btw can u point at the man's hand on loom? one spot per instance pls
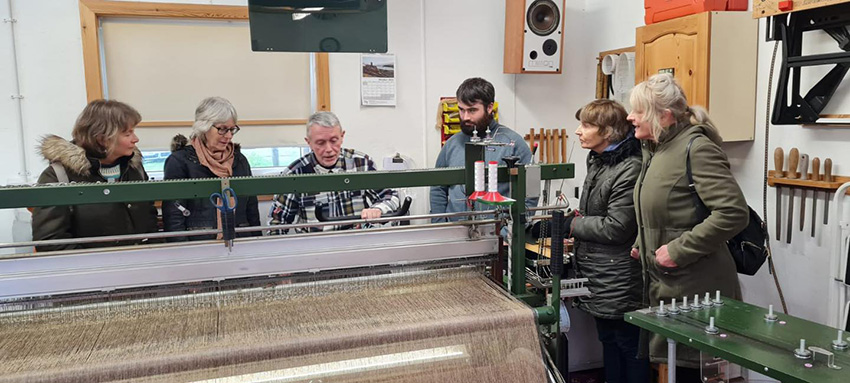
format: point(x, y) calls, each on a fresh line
point(370, 213)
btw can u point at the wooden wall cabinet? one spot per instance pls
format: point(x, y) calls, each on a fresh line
point(714, 56)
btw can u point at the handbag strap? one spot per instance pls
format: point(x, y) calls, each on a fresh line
point(692, 187)
point(61, 174)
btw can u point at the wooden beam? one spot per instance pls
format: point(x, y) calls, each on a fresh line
point(92, 10)
point(172, 124)
point(765, 8)
point(323, 83)
point(140, 9)
point(91, 53)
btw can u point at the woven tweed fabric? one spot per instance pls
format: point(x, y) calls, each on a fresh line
point(439, 326)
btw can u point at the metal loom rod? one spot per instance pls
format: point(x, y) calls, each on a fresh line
point(191, 233)
point(375, 220)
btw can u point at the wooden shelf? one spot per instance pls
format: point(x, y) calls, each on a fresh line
point(765, 8)
point(806, 184)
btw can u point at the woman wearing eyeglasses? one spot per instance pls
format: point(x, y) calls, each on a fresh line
point(208, 153)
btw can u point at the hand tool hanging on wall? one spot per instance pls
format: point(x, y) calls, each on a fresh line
point(531, 143)
point(804, 175)
point(778, 159)
point(815, 177)
point(827, 176)
point(793, 158)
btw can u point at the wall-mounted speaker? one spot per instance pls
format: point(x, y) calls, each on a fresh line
point(534, 36)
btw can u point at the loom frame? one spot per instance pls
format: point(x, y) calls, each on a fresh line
point(76, 194)
point(112, 269)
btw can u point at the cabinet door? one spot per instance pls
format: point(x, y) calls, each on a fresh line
point(680, 45)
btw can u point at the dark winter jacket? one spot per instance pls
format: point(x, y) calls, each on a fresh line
point(605, 232)
point(183, 163)
point(667, 216)
point(64, 222)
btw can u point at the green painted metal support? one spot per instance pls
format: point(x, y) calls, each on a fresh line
point(546, 315)
point(472, 153)
point(747, 339)
point(531, 299)
point(518, 229)
point(60, 195)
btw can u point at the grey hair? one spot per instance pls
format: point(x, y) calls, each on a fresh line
point(662, 92)
point(325, 119)
point(211, 111)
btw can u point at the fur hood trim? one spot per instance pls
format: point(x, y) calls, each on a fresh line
point(57, 149)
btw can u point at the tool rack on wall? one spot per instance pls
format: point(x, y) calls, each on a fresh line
point(787, 23)
point(810, 184)
point(448, 118)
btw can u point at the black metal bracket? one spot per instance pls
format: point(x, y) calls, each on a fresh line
point(789, 29)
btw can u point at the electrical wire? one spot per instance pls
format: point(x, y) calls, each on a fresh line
point(770, 264)
point(561, 187)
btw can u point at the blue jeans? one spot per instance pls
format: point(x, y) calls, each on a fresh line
point(619, 352)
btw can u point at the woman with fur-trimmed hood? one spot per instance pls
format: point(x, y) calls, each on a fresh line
point(103, 150)
point(208, 153)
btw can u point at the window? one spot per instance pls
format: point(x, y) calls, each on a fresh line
point(264, 161)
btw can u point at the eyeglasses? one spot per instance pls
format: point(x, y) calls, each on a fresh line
point(223, 129)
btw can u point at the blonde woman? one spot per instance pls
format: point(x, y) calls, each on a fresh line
point(103, 150)
point(683, 251)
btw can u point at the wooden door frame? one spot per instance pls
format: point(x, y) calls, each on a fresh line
point(92, 10)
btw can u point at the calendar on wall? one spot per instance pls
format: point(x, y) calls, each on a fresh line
point(378, 80)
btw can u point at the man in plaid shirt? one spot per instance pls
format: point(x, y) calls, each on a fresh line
point(324, 136)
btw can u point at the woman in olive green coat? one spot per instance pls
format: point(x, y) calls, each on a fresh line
point(682, 252)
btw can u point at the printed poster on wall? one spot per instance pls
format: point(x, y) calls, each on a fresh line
point(377, 80)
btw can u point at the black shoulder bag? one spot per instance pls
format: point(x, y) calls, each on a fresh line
point(747, 247)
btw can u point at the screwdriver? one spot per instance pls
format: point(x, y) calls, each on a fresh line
point(793, 158)
point(815, 177)
point(827, 177)
point(778, 159)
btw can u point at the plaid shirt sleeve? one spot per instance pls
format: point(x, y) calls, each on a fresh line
point(284, 206)
point(385, 199)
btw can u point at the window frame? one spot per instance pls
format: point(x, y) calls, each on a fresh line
point(256, 170)
point(92, 10)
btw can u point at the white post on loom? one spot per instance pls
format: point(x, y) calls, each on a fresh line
point(661, 311)
point(717, 301)
point(839, 343)
point(479, 176)
point(493, 174)
point(673, 309)
point(770, 316)
point(711, 329)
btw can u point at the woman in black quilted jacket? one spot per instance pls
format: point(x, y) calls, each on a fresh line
point(208, 153)
point(604, 231)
